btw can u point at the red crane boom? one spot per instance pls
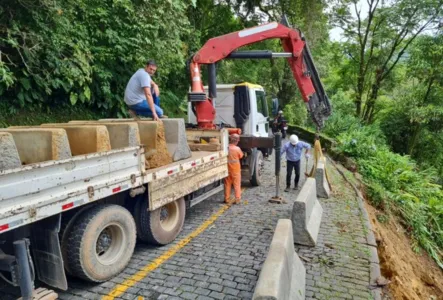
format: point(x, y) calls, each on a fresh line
point(225, 46)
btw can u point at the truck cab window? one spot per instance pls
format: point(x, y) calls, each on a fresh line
point(262, 106)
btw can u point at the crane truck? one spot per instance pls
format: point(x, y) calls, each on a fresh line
point(81, 214)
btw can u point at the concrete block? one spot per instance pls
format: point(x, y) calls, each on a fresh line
point(283, 275)
point(152, 136)
point(306, 215)
point(85, 139)
point(40, 144)
point(323, 190)
point(121, 134)
point(125, 120)
point(176, 141)
point(9, 158)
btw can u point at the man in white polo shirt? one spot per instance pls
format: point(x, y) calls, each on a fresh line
point(293, 150)
point(138, 95)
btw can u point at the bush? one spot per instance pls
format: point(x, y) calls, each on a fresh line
point(395, 183)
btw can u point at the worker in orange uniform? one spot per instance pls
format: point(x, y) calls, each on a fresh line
point(234, 170)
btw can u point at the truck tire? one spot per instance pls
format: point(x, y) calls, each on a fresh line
point(161, 226)
point(256, 176)
point(101, 242)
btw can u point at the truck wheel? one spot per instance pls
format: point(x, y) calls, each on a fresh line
point(101, 243)
point(256, 176)
point(161, 226)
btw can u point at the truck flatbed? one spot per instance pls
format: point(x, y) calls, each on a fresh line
point(34, 192)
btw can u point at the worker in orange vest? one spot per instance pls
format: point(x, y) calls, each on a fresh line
point(234, 170)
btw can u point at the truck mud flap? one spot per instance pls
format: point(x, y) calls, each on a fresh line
point(249, 167)
point(47, 254)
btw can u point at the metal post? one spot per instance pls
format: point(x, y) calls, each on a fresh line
point(26, 282)
point(277, 147)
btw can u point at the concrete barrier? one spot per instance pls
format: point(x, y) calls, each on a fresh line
point(306, 215)
point(9, 158)
point(85, 139)
point(283, 275)
point(40, 144)
point(323, 190)
point(176, 141)
point(152, 136)
point(121, 135)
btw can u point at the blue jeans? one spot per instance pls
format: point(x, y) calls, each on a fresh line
point(144, 110)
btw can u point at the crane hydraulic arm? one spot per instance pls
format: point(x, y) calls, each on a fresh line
point(296, 52)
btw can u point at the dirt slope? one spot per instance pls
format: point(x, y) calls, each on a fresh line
point(412, 275)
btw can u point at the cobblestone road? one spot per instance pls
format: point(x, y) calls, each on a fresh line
point(224, 261)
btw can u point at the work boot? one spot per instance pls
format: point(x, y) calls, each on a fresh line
point(229, 201)
point(287, 189)
point(296, 187)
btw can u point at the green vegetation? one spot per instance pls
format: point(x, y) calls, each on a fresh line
point(63, 60)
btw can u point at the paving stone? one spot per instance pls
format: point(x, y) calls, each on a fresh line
point(187, 295)
point(216, 295)
point(215, 287)
point(230, 291)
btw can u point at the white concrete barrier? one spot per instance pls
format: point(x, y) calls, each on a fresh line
point(36, 145)
point(283, 275)
point(121, 134)
point(85, 139)
point(176, 141)
point(306, 214)
point(323, 190)
point(9, 158)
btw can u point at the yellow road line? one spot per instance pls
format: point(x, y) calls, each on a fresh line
point(122, 287)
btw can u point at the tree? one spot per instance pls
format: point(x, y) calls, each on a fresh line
point(57, 52)
point(377, 41)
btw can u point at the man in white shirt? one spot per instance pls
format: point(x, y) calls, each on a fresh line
point(138, 95)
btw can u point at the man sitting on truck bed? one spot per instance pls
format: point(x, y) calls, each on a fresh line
point(234, 170)
point(138, 94)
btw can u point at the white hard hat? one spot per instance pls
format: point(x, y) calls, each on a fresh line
point(280, 111)
point(293, 139)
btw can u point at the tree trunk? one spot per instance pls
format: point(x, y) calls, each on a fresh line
point(413, 141)
point(370, 102)
point(358, 97)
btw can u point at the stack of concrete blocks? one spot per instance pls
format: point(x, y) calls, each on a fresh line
point(306, 215)
point(174, 135)
point(164, 141)
point(323, 190)
point(283, 275)
point(129, 133)
point(34, 145)
point(121, 135)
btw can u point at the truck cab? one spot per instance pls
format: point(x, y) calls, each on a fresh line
point(243, 106)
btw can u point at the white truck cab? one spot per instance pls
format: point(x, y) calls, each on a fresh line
point(243, 106)
point(240, 105)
